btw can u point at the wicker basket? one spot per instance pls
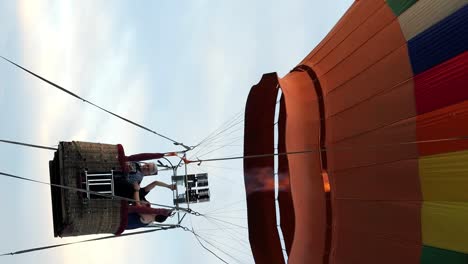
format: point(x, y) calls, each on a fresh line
point(73, 213)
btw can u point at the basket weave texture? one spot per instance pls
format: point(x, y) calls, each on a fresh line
point(82, 216)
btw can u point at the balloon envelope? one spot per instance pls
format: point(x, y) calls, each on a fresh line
point(379, 111)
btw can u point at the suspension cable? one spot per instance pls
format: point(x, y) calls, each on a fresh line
point(232, 123)
point(350, 148)
point(95, 105)
point(27, 145)
point(84, 241)
point(254, 156)
point(93, 192)
point(207, 249)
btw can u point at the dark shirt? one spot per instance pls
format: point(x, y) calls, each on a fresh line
point(143, 194)
point(134, 221)
point(125, 189)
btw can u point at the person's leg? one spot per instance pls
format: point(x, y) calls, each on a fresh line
point(123, 188)
point(150, 186)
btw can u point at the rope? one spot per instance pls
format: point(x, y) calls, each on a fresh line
point(221, 242)
point(198, 237)
point(215, 133)
point(218, 148)
point(82, 241)
point(351, 148)
point(229, 124)
point(207, 249)
point(235, 234)
point(97, 106)
point(226, 222)
point(254, 156)
point(83, 190)
point(27, 145)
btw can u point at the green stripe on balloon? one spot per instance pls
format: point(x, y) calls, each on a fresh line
point(432, 255)
point(399, 6)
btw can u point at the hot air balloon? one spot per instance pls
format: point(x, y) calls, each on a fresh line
point(372, 151)
point(371, 159)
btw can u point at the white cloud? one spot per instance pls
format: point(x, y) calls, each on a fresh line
point(80, 48)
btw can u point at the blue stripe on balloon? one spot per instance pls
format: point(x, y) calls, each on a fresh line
point(441, 42)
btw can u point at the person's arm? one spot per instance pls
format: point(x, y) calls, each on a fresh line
point(150, 186)
point(136, 193)
point(149, 210)
point(144, 156)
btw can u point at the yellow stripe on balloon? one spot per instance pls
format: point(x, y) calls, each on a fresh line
point(444, 177)
point(445, 225)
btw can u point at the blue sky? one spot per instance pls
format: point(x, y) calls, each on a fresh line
point(181, 69)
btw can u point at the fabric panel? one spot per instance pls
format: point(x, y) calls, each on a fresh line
point(432, 255)
point(358, 14)
point(443, 41)
point(336, 28)
point(376, 195)
point(442, 85)
point(323, 155)
point(302, 133)
point(443, 130)
point(425, 13)
point(390, 143)
point(444, 177)
point(400, 6)
point(374, 133)
point(379, 20)
point(377, 112)
point(258, 172)
point(444, 225)
point(376, 232)
point(395, 181)
point(285, 202)
point(346, 96)
point(383, 44)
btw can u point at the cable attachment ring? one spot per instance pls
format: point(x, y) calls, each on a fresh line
point(183, 228)
point(183, 145)
point(190, 211)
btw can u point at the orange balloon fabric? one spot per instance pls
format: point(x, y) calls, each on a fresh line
point(378, 110)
